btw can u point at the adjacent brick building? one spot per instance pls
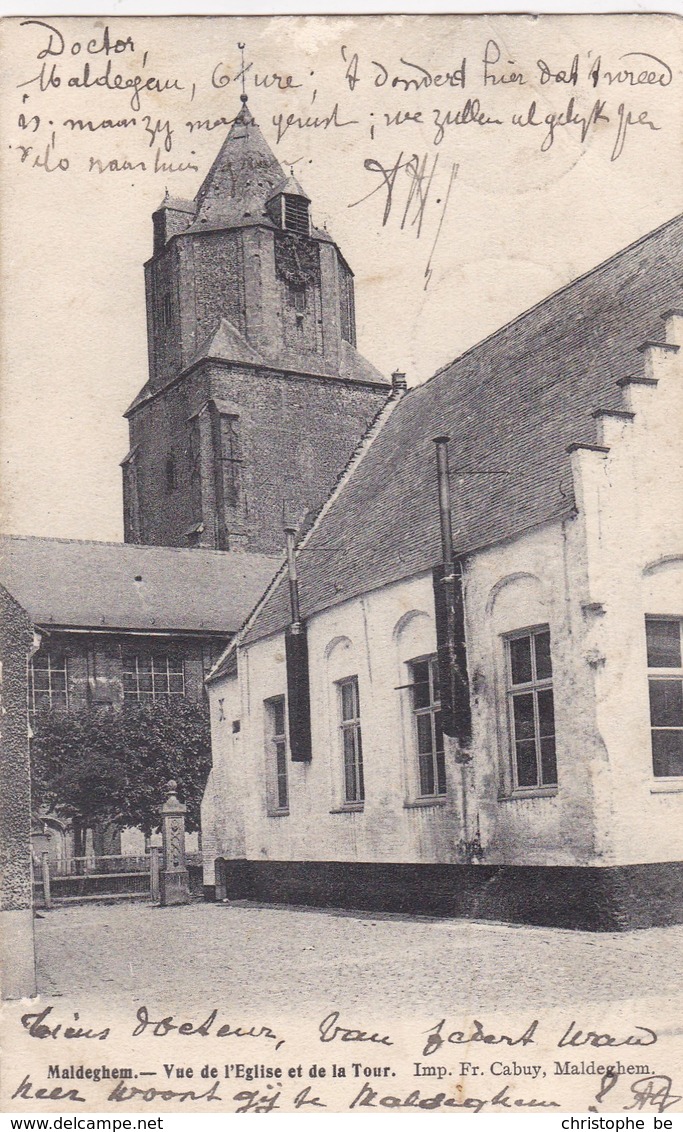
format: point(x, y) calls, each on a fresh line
point(256, 395)
point(114, 624)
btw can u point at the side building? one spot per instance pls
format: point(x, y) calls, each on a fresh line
point(476, 680)
point(116, 624)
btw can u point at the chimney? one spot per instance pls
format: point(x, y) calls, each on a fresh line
point(398, 382)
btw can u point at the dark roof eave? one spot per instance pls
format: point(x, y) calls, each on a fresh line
point(566, 512)
point(137, 630)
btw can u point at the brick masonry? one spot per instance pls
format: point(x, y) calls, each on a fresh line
point(16, 915)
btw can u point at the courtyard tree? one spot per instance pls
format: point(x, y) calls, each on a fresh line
point(156, 742)
point(110, 768)
point(76, 770)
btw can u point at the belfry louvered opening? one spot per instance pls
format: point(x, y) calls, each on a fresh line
point(296, 215)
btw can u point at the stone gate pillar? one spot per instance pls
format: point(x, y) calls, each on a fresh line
point(173, 878)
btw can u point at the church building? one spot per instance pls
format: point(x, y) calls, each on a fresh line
point(256, 392)
point(464, 694)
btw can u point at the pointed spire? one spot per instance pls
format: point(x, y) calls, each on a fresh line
point(241, 179)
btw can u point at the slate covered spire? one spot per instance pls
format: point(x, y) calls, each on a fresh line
point(243, 177)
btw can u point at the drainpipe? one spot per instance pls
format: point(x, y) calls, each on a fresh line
point(455, 702)
point(441, 443)
point(296, 654)
point(290, 536)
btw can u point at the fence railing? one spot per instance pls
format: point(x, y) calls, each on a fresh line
point(112, 874)
point(87, 866)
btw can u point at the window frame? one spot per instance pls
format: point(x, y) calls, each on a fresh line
point(433, 710)
point(351, 726)
point(142, 696)
point(63, 669)
point(277, 753)
point(658, 674)
point(532, 687)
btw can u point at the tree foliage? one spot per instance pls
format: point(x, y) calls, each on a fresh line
point(98, 766)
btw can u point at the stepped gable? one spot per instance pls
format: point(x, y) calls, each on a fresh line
point(511, 406)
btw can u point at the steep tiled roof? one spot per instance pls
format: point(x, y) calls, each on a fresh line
point(227, 344)
point(511, 405)
point(119, 585)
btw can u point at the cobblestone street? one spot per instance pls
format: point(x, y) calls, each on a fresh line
point(249, 955)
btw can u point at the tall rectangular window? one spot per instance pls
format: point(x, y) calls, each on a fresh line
point(665, 679)
point(431, 762)
point(47, 683)
point(276, 740)
point(152, 676)
point(166, 310)
point(352, 743)
point(532, 712)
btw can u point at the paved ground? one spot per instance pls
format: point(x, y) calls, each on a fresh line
point(249, 955)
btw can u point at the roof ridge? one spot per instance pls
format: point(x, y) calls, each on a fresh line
point(548, 298)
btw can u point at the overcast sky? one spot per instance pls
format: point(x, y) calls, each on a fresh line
point(486, 219)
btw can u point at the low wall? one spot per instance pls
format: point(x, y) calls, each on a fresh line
point(591, 899)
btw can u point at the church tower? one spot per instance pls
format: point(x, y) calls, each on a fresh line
point(256, 392)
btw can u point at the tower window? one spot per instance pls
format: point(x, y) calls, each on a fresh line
point(296, 215)
point(297, 297)
point(166, 310)
point(171, 476)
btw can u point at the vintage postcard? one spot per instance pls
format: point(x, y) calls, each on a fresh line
point(342, 575)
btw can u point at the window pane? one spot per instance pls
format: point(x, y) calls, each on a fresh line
point(520, 660)
point(348, 699)
point(523, 707)
point(666, 703)
point(129, 683)
point(438, 731)
point(543, 663)
point(434, 666)
point(527, 773)
point(281, 766)
point(424, 734)
point(145, 680)
point(349, 766)
point(548, 761)
point(278, 715)
point(546, 715)
point(663, 644)
point(176, 683)
point(426, 775)
point(361, 780)
point(421, 696)
point(667, 753)
point(41, 680)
